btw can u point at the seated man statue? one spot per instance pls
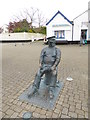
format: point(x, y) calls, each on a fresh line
point(49, 60)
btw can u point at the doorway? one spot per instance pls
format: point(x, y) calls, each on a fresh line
point(84, 31)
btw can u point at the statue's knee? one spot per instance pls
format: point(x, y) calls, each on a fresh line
point(38, 73)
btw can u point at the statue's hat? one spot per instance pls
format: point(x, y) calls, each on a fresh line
point(51, 38)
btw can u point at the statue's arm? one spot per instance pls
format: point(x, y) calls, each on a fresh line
point(41, 57)
point(58, 57)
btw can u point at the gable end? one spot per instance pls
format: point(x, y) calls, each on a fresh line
point(56, 15)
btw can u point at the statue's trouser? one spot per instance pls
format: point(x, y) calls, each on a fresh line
point(52, 76)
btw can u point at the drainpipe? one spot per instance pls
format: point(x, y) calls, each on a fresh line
point(72, 29)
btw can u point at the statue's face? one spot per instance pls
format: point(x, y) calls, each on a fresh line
point(51, 43)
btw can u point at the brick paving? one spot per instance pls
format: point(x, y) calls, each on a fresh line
point(19, 66)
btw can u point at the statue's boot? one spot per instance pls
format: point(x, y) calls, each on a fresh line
point(51, 95)
point(32, 92)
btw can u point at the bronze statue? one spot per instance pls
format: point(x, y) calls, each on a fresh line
point(49, 60)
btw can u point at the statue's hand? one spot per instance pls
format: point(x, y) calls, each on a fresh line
point(53, 68)
point(40, 65)
point(47, 68)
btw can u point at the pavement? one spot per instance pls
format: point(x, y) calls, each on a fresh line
point(19, 66)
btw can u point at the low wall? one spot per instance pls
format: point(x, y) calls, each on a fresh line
point(21, 36)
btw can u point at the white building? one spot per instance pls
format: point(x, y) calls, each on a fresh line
point(66, 30)
point(59, 26)
point(80, 25)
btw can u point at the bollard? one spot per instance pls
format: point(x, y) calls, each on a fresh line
point(15, 44)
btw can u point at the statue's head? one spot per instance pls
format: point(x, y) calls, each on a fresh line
point(51, 41)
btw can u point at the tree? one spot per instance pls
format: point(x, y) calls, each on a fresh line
point(11, 27)
point(21, 26)
point(26, 21)
point(41, 30)
point(30, 15)
point(40, 18)
point(1, 30)
point(33, 15)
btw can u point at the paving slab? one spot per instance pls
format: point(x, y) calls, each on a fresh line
point(19, 66)
point(41, 98)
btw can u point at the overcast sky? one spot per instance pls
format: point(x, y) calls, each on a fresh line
point(70, 8)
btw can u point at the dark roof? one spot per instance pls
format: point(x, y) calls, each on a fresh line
point(56, 15)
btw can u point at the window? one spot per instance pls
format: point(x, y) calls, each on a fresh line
point(60, 34)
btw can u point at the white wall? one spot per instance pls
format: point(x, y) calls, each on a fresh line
point(78, 26)
point(68, 34)
point(59, 20)
point(21, 36)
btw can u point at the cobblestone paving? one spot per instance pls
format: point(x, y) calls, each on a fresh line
point(19, 66)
